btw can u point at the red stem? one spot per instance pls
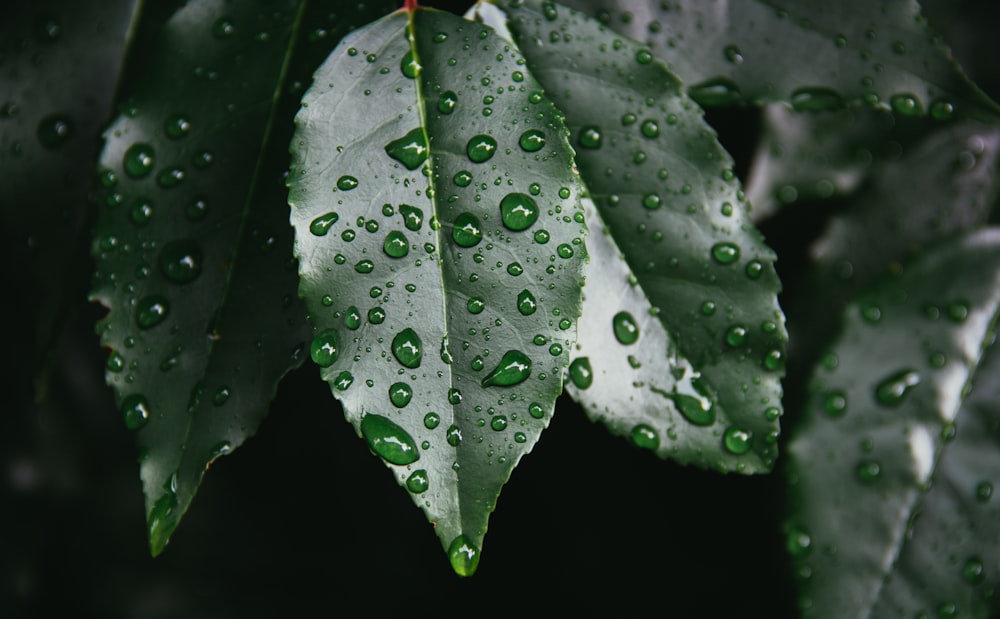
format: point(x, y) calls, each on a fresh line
point(410, 5)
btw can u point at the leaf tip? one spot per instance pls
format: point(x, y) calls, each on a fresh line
point(464, 556)
point(161, 522)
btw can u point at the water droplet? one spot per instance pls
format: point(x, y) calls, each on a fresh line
point(733, 54)
point(892, 390)
point(590, 137)
point(564, 250)
point(139, 160)
point(417, 482)
point(54, 131)
point(170, 178)
point(346, 183)
point(447, 102)
point(518, 211)
point(151, 311)
point(651, 201)
point(481, 148)
point(181, 261)
point(716, 92)
point(498, 423)
point(323, 349)
point(321, 225)
point(463, 178)
point(514, 368)
point(407, 348)
point(410, 150)
point(177, 126)
point(462, 553)
point(696, 406)
point(476, 305)
point(835, 403)
point(396, 245)
point(958, 311)
point(389, 440)
point(984, 490)
point(906, 104)
point(736, 440)
point(774, 360)
point(942, 110)
point(221, 396)
point(650, 128)
point(343, 380)
point(376, 315)
point(581, 373)
point(223, 28)
point(536, 410)
point(409, 66)
point(542, 237)
point(454, 435)
point(135, 411)
point(816, 100)
point(736, 335)
point(972, 571)
point(798, 542)
point(532, 140)
point(413, 217)
point(754, 269)
point(645, 437)
point(725, 253)
point(115, 363)
point(868, 470)
point(400, 394)
point(466, 230)
point(625, 327)
point(432, 420)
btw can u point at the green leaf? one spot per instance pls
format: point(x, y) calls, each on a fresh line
point(813, 54)
point(684, 346)
point(58, 74)
point(871, 440)
point(193, 242)
point(440, 240)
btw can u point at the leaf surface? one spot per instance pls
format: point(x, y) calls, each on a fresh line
point(440, 240)
point(684, 339)
point(192, 242)
point(755, 51)
point(59, 67)
point(872, 440)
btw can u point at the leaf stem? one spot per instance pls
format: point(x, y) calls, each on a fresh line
point(410, 5)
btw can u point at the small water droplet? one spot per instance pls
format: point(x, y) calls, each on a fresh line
point(223, 28)
point(466, 230)
point(816, 99)
point(625, 328)
point(407, 348)
point(733, 54)
point(536, 410)
point(151, 311)
point(221, 396)
point(798, 542)
point(754, 269)
point(135, 411)
point(343, 380)
point(323, 349)
point(413, 217)
point(518, 211)
point(984, 490)
point(716, 92)
point(736, 440)
point(410, 150)
point(454, 435)
point(170, 178)
point(181, 261)
point(906, 104)
point(892, 390)
point(346, 183)
point(177, 126)
point(942, 110)
point(526, 303)
point(868, 470)
point(581, 373)
point(736, 335)
point(447, 102)
point(396, 245)
point(725, 253)
point(650, 128)
point(958, 311)
point(590, 137)
point(376, 315)
point(835, 403)
point(532, 140)
point(481, 148)
point(389, 440)
point(139, 160)
point(462, 553)
point(973, 570)
point(645, 437)
point(400, 394)
point(514, 368)
point(55, 130)
point(321, 225)
point(463, 178)
point(417, 482)
point(432, 420)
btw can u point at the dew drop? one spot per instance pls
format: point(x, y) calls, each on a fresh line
point(151, 311)
point(581, 373)
point(481, 148)
point(466, 230)
point(321, 225)
point(518, 211)
point(413, 217)
point(696, 407)
point(816, 99)
point(388, 440)
point(736, 335)
point(526, 303)
point(170, 178)
point(542, 237)
point(323, 348)
point(462, 178)
point(625, 328)
point(536, 410)
point(650, 128)
point(400, 394)
point(54, 131)
point(432, 420)
point(346, 183)
point(498, 423)
point(725, 253)
point(868, 470)
point(754, 269)
point(733, 54)
point(454, 436)
point(514, 368)
point(447, 102)
point(410, 150)
point(736, 440)
point(177, 126)
point(716, 92)
point(973, 570)
point(181, 261)
point(135, 411)
point(798, 542)
point(590, 137)
point(906, 104)
point(139, 160)
point(532, 140)
point(396, 245)
point(462, 553)
point(417, 482)
point(407, 348)
point(645, 437)
point(942, 110)
point(409, 65)
point(892, 390)
point(984, 490)
point(835, 403)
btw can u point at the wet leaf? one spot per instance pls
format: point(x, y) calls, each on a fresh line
point(192, 242)
point(684, 339)
point(441, 247)
point(731, 53)
point(870, 455)
point(59, 66)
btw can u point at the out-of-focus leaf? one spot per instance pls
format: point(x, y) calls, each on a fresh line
point(59, 66)
point(754, 51)
point(192, 243)
point(440, 239)
point(682, 346)
point(870, 442)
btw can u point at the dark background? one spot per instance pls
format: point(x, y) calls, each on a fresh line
point(304, 521)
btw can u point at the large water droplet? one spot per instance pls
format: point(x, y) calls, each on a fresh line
point(625, 328)
point(514, 368)
point(400, 394)
point(389, 440)
point(466, 230)
point(532, 140)
point(817, 99)
point(736, 440)
point(417, 482)
point(645, 437)
point(396, 245)
point(518, 211)
point(725, 252)
point(413, 217)
point(696, 404)
point(139, 160)
point(346, 183)
point(716, 92)
point(410, 150)
point(181, 261)
point(135, 411)
point(463, 555)
point(892, 390)
point(835, 403)
point(526, 303)
point(323, 349)
point(151, 311)
point(481, 148)
point(590, 137)
point(447, 102)
point(409, 66)
point(407, 349)
point(581, 373)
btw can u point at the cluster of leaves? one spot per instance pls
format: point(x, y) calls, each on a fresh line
point(484, 207)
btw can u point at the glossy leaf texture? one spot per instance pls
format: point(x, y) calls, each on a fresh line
point(441, 246)
point(866, 457)
point(684, 340)
point(753, 51)
point(59, 67)
point(192, 243)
